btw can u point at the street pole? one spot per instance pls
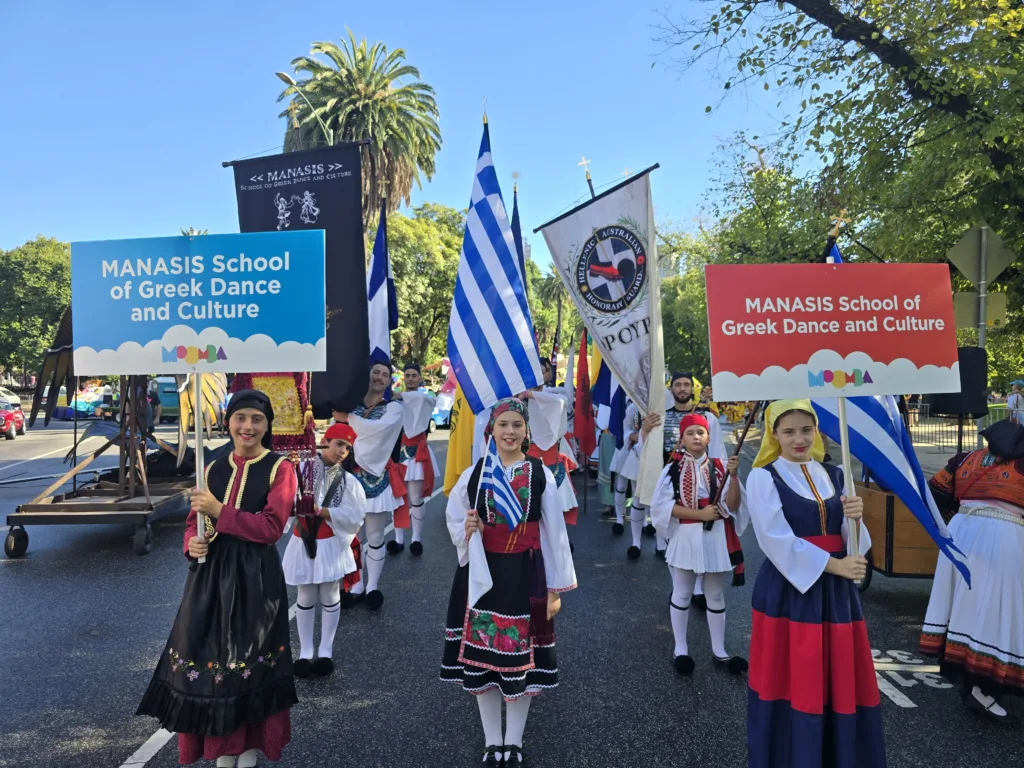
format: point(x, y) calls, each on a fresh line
point(982, 314)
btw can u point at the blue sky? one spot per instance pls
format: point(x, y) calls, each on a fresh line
point(117, 115)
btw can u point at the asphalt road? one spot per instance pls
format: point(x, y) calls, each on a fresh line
point(84, 621)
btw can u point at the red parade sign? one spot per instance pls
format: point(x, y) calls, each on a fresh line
point(825, 330)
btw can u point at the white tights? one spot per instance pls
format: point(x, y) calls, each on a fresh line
point(683, 583)
point(374, 555)
point(637, 514)
point(416, 509)
point(330, 602)
point(516, 712)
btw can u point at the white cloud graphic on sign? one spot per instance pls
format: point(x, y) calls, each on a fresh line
point(256, 353)
point(900, 377)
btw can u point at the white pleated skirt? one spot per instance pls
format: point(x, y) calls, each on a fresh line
point(333, 561)
point(567, 496)
point(414, 470)
point(983, 625)
point(694, 549)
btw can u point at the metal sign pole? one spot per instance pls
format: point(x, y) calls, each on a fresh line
point(982, 313)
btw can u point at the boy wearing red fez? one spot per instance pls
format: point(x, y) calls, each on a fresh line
point(319, 554)
point(698, 506)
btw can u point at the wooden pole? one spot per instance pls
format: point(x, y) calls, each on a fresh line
point(850, 490)
point(197, 411)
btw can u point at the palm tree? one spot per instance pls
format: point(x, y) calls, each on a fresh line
point(367, 93)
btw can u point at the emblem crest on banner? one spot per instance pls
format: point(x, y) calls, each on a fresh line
point(611, 269)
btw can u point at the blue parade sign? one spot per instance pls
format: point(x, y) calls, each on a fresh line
point(204, 303)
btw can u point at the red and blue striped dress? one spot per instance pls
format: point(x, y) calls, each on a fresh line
point(813, 697)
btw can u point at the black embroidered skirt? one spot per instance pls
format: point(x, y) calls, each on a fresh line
point(228, 660)
point(506, 641)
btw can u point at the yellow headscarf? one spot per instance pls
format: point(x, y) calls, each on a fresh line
point(770, 448)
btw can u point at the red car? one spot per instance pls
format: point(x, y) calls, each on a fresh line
point(12, 420)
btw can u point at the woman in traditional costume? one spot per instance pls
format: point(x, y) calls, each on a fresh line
point(977, 631)
point(813, 698)
point(319, 554)
point(687, 513)
point(224, 682)
point(500, 634)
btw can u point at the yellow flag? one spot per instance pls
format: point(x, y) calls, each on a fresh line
point(460, 441)
point(595, 363)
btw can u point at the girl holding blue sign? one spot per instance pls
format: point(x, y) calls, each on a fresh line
point(224, 682)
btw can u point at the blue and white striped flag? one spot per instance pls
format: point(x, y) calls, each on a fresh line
point(382, 303)
point(490, 336)
point(879, 439)
point(492, 478)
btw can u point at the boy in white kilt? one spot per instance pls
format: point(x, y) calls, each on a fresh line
point(415, 455)
point(686, 511)
point(319, 552)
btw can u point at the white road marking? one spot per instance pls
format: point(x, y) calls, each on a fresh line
point(146, 752)
point(155, 743)
point(894, 694)
point(883, 667)
point(44, 455)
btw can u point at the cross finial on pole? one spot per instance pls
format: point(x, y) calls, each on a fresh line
point(838, 221)
point(626, 172)
point(584, 163)
point(515, 181)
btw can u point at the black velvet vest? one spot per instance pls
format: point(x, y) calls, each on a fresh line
point(257, 476)
point(537, 485)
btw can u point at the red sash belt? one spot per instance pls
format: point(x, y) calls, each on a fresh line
point(422, 457)
point(551, 456)
point(500, 538)
point(323, 532)
point(831, 543)
point(701, 503)
point(396, 478)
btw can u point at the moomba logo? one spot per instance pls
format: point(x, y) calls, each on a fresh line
point(839, 379)
point(193, 355)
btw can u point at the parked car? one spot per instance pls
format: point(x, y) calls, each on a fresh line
point(11, 397)
point(12, 420)
point(442, 415)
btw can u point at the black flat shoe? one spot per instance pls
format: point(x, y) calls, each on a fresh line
point(323, 667)
point(348, 601)
point(736, 665)
point(633, 553)
point(416, 548)
point(659, 553)
point(374, 600)
point(617, 529)
point(303, 668)
point(699, 601)
point(513, 755)
point(649, 530)
point(494, 756)
point(684, 665)
point(393, 547)
point(976, 706)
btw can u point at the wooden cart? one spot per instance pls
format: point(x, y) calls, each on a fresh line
point(900, 547)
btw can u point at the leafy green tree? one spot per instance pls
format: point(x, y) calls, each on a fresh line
point(37, 288)
point(367, 92)
point(424, 251)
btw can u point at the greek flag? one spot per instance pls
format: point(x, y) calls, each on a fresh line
point(834, 256)
point(879, 439)
point(381, 301)
point(490, 335)
point(492, 478)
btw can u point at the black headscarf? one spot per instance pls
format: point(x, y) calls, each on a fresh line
point(253, 398)
point(1005, 439)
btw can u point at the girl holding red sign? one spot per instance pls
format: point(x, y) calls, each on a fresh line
point(813, 696)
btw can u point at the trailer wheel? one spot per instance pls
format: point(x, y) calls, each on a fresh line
point(143, 540)
point(16, 543)
point(866, 582)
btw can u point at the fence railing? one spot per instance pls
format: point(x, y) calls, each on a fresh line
point(940, 433)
